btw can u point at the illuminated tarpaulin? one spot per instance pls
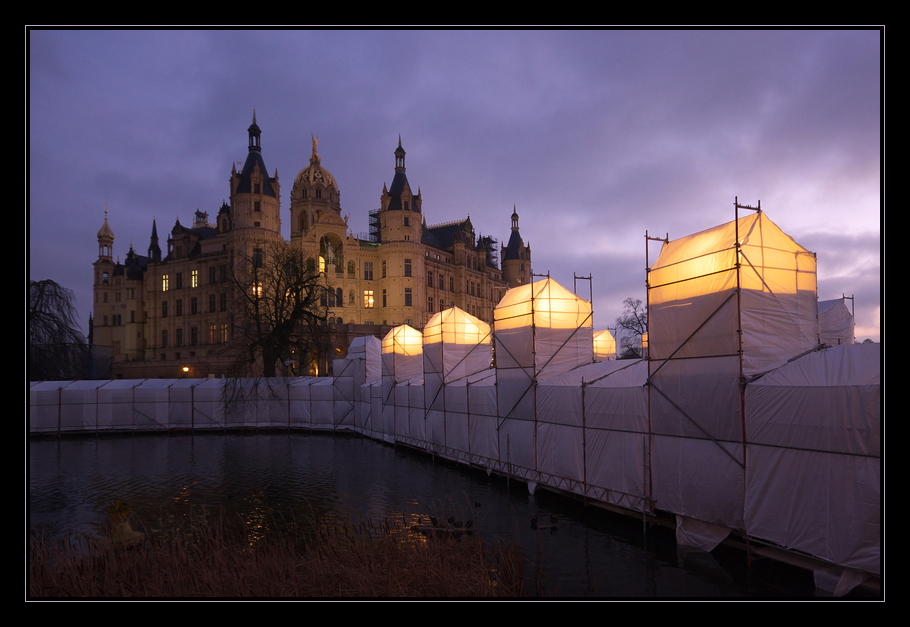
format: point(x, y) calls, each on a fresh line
point(604, 345)
point(402, 354)
point(692, 287)
point(539, 328)
point(402, 365)
point(723, 305)
point(455, 345)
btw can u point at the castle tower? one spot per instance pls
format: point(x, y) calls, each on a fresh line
point(316, 222)
point(400, 209)
point(516, 257)
point(154, 248)
point(254, 194)
point(104, 285)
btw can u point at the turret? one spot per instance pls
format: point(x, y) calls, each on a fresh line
point(254, 194)
point(400, 208)
point(516, 257)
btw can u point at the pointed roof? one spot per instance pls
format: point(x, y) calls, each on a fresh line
point(254, 159)
point(400, 183)
point(513, 248)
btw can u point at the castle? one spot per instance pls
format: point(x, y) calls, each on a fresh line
point(168, 314)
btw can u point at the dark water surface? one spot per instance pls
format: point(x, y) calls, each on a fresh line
point(340, 480)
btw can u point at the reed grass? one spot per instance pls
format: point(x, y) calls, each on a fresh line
point(220, 557)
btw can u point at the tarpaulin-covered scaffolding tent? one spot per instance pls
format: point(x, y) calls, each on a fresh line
point(402, 369)
point(455, 346)
point(540, 328)
point(727, 306)
point(724, 304)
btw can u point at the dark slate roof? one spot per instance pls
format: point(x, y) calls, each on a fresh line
point(513, 246)
point(446, 234)
point(253, 159)
point(429, 238)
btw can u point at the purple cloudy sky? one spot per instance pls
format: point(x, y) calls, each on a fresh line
point(595, 137)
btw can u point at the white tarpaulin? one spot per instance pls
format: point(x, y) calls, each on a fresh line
point(402, 354)
point(732, 301)
point(604, 345)
point(814, 430)
point(835, 322)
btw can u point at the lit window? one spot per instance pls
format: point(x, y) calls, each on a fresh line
point(164, 282)
point(194, 278)
point(257, 289)
point(368, 299)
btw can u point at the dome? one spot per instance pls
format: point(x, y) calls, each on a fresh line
point(105, 231)
point(314, 173)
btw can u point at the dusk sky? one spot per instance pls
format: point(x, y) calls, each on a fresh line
point(594, 136)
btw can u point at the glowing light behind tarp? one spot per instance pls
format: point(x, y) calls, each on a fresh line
point(705, 262)
point(544, 304)
point(604, 345)
point(455, 326)
point(456, 344)
point(402, 353)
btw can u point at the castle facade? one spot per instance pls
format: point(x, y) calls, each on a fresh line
point(167, 313)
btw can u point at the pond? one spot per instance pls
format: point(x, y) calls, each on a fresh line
point(337, 480)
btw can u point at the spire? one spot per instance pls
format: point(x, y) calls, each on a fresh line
point(105, 239)
point(254, 134)
point(399, 156)
point(514, 218)
point(314, 158)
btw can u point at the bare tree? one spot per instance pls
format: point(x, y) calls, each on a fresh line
point(279, 321)
point(634, 324)
point(56, 348)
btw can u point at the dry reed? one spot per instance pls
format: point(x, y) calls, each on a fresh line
point(219, 557)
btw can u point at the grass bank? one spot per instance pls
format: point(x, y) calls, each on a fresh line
point(220, 557)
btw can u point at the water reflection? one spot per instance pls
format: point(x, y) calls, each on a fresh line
point(306, 481)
